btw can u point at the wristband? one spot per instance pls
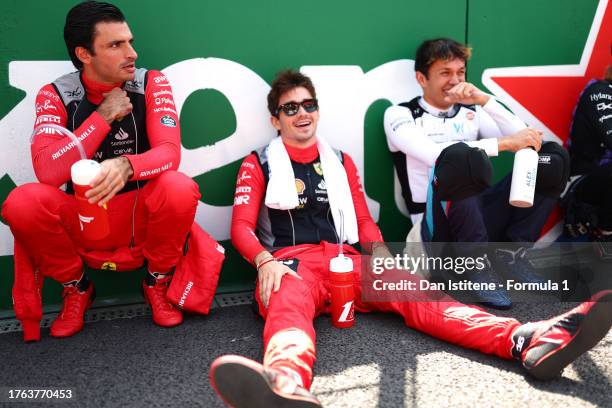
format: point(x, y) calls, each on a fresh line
point(258, 264)
point(265, 261)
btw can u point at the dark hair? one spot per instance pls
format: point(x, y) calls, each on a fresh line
point(608, 74)
point(443, 49)
point(80, 25)
point(284, 82)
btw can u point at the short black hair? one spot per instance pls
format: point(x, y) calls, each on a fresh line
point(80, 25)
point(443, 49)
point(285, 81)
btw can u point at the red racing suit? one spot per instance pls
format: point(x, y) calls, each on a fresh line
point(149, 219)
point(289, 335)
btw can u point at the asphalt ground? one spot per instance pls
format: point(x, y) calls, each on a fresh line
point(377, 363)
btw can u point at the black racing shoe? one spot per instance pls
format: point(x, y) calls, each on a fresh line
point(497, 298)
point(516, 266)
point(545, 348)
point(241, 382)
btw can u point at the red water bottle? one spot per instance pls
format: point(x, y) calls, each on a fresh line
point(342, 291)
point(92, 217)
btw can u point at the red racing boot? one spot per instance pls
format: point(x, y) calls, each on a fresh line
point(75, 303)
point(154, 289)
point(244, 383)
point(545, 348)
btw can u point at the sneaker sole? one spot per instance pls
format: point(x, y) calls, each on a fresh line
point(594, 327)
point(242, 383)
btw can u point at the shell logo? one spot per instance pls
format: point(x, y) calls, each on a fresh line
point(300, 186)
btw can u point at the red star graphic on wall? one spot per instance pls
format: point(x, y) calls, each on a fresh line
point(545, 96)
point(522, 89)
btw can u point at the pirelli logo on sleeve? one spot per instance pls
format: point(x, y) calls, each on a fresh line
point(48, 119)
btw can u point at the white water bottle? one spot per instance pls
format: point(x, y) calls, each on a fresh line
point(92, 217)
point(524, 174)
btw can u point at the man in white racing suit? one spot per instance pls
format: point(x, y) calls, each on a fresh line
point(450, 181)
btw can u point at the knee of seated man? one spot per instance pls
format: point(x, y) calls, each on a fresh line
point(178, 186)
point(553, 169)
point(23, 203)
point(462, 171)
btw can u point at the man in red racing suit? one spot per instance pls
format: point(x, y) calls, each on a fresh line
point(125, 119)
point(291, 250)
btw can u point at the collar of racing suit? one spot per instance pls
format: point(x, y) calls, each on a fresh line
point(302, 155)
point(96, 90)
point(437, 112)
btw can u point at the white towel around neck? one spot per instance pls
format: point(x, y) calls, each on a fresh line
point(281, 193)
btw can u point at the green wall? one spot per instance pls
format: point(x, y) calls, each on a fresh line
point(268, 36)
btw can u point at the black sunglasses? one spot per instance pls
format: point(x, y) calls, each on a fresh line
point(291, 108)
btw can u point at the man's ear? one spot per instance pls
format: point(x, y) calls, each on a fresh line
point(421, 79)
point(83, 55)
point(275, 122)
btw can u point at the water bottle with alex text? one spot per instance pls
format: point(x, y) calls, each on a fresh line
point(524, 174)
